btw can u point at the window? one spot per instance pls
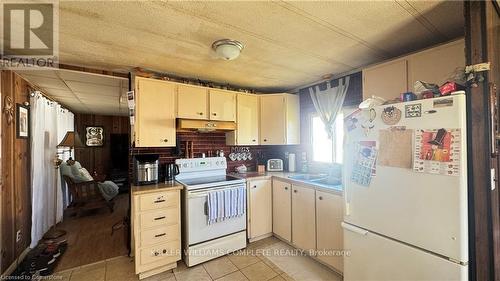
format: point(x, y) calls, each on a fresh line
point(326, 150)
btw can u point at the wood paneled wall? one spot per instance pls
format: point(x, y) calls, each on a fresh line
point(15, 174)
point(98, 159)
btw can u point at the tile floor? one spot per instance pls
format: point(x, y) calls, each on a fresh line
point(251, 264)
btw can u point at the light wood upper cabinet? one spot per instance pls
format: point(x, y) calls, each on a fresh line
point(260, 202)
point(192, 102)
point(279, 119)
point(436, 65)
point(247, 119)
point(282, 209)
point(329, 216)
point(387, 80)
point(222, 105)
point(155, 113)
point(303, 218)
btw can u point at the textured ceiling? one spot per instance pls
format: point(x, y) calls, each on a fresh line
point(82, 92)
point(287, 44)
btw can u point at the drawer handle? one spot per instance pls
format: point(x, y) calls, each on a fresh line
point(214, 114)
point(159, 201)
point(286, 187)
point(159, 218)
point(254, 186)
point(320, 198)
point(160, 235)
point(156, 253)
point(295, 191)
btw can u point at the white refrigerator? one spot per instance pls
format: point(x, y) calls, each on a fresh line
point(406, 219)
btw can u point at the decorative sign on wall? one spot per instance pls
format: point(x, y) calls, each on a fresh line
point(240, 154)
point(22, 121)
point(94, 136)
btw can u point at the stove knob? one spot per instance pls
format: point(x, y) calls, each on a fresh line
point(185, 165)
point(217, 163)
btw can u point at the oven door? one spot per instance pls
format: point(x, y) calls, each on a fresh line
point(198, 228)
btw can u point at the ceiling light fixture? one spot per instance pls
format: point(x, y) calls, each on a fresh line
point(227, 49)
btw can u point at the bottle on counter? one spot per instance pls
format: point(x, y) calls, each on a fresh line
point(304, 164)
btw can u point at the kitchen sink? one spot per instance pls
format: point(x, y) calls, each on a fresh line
point(328, 181)
point(308, 177)
point(318, 179)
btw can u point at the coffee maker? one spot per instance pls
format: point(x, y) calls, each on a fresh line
point(171, 170)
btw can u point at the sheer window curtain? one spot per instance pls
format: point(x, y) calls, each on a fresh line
point(328, 103)
point(49, 123)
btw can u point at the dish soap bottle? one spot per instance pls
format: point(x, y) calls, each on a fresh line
point(304, 167)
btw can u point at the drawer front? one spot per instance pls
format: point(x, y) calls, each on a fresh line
point(161, 254)
point(158, 200)
point(159, 218)
point(159, 235)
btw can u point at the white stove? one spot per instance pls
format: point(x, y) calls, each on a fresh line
point(203, 241)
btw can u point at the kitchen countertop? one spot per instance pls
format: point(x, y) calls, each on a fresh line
point(150, 188)
point(284, 176)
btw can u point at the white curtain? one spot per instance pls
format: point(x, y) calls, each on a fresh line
point(328, 103)
point(65, 123)
point(46, 118)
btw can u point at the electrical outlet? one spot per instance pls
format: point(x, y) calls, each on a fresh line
point(18, 236)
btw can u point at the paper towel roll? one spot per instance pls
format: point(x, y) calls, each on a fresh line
point(291, 162)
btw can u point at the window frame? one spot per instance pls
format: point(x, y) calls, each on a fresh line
point(311, 141)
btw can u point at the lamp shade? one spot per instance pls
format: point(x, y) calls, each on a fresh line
point(71, 139)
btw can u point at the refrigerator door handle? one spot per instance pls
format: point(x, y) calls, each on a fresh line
point(354, 229)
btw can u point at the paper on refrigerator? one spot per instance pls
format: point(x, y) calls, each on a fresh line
point(437, 151)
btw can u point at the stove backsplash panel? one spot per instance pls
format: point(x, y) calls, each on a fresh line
point(205, 142)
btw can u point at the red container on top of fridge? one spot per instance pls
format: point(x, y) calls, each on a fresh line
point(449, 87)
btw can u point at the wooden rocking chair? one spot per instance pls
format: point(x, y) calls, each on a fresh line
point(86, 196)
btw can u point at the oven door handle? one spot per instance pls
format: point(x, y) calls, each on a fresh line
point(205, 191)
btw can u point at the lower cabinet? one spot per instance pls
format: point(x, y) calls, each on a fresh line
point(282, 209)
point(303, 218)
point(156, 234)
point(260, 222)
point(329, 234)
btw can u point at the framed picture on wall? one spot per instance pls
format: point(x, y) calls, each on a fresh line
point(22, 121)
point(94, 136)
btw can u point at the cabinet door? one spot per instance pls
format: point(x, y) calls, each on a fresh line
point(303, 218)
point(329, 231)
point(292, 119)
point(248, 120)
point(436, 65)
point(387, 80)
point(261, 222)
point(192, 102)
point(155, 113)
point(282, 209)
point(222, 105)
point(272, 119)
